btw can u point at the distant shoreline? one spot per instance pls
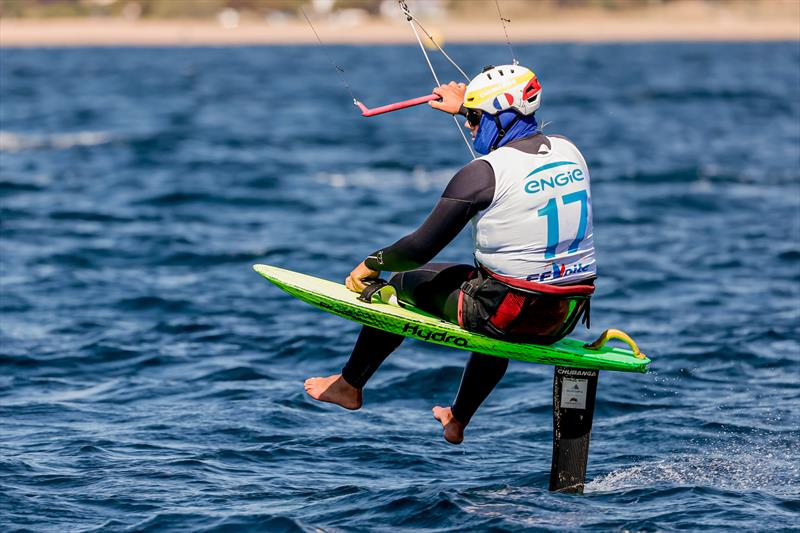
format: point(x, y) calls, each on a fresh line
point(580, 27)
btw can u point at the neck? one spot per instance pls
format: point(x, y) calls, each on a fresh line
point(514, 126)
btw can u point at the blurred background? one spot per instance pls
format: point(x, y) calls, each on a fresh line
point(152, 151)
point(28, 22)
point(274, 9)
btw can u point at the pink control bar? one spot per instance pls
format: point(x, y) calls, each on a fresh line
point(367, 112)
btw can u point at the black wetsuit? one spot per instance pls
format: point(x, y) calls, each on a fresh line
point(434, 287)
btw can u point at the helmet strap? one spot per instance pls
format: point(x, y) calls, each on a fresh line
point(501, 131)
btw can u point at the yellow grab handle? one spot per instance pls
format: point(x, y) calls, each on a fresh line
point(609, 334)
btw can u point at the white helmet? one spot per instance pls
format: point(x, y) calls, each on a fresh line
point(505, 87)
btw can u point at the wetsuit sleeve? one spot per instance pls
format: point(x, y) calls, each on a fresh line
point(471, 190)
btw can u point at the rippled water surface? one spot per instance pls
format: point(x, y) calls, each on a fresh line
point(150, 380)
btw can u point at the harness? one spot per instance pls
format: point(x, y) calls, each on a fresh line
point(522, 311)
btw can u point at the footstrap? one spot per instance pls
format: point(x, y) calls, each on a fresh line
point(374, 290)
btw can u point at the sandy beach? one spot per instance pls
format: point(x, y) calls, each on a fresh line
point(766, 21)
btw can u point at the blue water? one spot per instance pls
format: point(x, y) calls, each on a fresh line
point(150, 380)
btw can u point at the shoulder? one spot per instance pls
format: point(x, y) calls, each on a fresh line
point(562, 137)
point(562, 141)
point(563, 144)
point(475, 177)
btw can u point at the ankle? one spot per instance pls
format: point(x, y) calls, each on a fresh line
point(342, 382)
point(347, 384)
point(455, 418)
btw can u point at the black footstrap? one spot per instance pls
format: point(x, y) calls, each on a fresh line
point(373, 286)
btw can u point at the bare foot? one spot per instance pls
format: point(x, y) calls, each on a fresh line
point(453, 429)
point(334, 389)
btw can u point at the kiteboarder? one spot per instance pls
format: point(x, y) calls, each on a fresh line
point(529, 202)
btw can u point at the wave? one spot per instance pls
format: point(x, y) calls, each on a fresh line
point(383, 178)
point(16, 142)
point(750, 465)
point(209, 522)
point(176, 198)
point(239, 373)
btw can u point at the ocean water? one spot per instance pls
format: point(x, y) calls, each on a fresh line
point(150, 380)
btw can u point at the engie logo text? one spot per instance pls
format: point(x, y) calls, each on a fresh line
point(553, 181)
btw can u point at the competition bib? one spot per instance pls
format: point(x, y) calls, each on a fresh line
point(539, 224)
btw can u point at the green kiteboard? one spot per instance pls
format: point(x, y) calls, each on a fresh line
point(385, 314)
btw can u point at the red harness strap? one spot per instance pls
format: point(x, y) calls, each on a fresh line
point(567, 290)
point(508, 310)
point(461, 308)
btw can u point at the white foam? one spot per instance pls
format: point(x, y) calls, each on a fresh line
point(748, 466)
point(15, 142)
point(420, 179)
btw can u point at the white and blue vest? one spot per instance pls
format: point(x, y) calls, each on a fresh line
point(539, 224)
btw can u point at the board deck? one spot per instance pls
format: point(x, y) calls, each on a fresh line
point(337, 299)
